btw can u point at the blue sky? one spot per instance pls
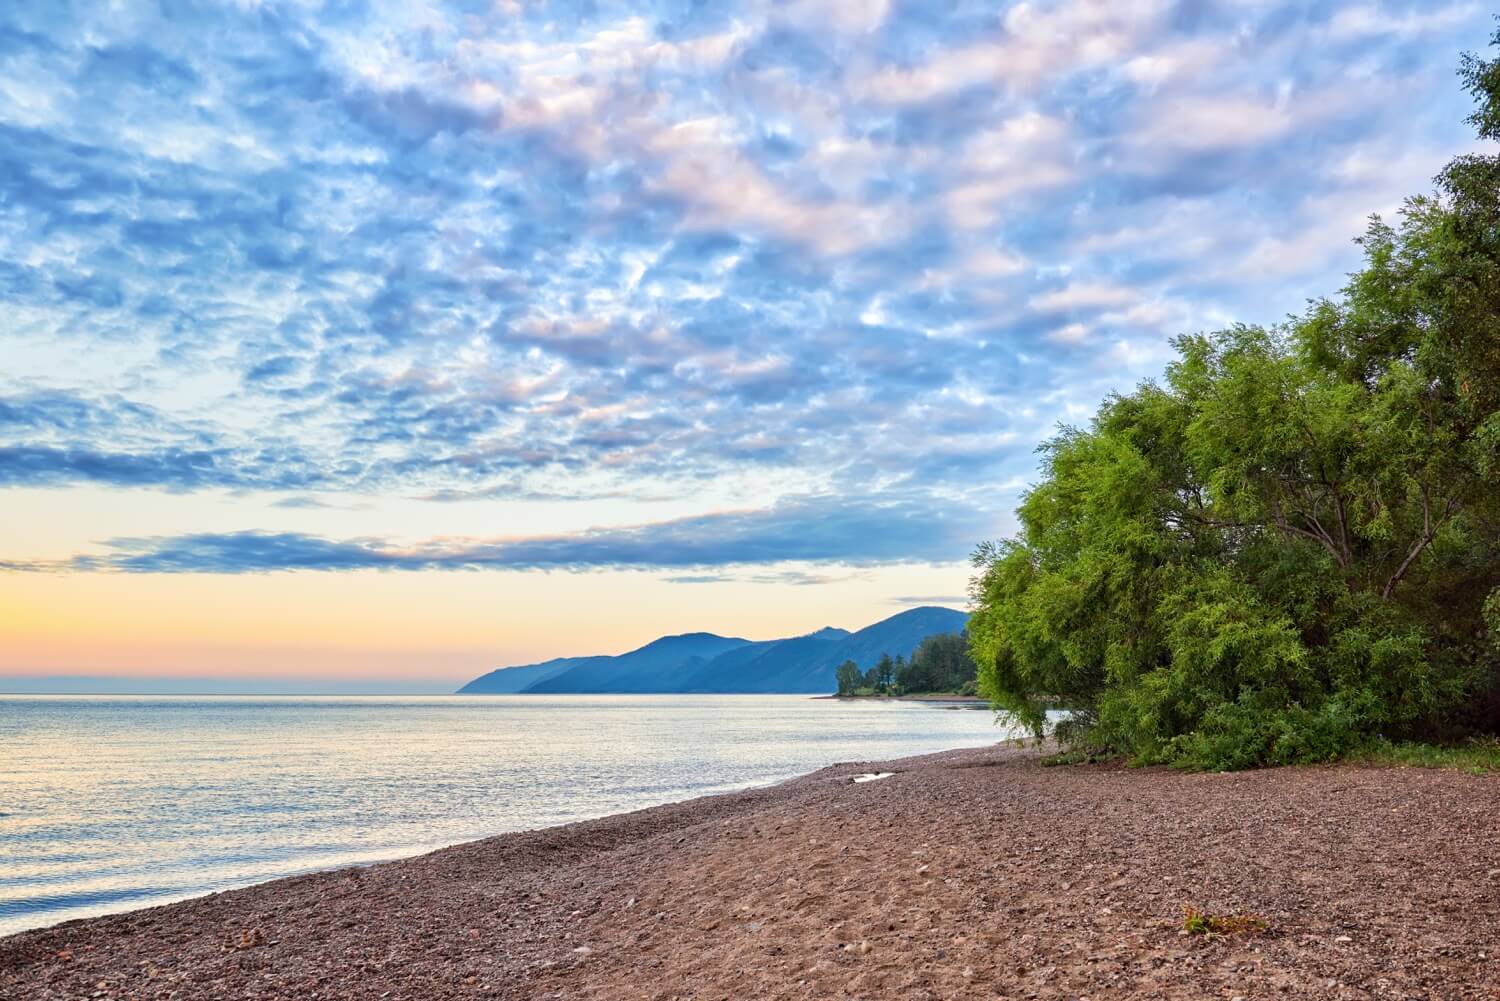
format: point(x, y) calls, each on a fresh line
point(727, 296)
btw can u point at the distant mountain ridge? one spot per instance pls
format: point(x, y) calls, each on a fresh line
point(709, 663)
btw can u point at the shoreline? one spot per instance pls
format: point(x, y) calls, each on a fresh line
point(964, 874)
point(939, 698)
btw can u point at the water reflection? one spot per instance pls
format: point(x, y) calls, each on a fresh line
point(110, 803)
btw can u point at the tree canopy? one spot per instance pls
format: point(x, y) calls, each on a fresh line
point(940, 663)
point(1290, 546)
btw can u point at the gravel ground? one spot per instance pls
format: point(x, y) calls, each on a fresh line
point(970, 874)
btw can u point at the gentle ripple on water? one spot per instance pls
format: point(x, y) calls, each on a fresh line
point(111, 803)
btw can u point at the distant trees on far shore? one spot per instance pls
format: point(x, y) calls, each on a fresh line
point(940, 664)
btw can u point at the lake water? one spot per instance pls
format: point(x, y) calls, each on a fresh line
point(112, 803)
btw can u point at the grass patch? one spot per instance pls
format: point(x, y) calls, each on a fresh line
point(1079, 758)
point(1477, 756)
point(1196, 922)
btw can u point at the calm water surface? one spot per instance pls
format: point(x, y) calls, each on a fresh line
point(112, 803)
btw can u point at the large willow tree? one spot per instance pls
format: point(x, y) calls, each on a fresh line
point(1291, 546)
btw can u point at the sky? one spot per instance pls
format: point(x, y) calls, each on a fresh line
point(384, 343)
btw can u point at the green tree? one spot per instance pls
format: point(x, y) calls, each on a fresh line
point(849, 677)
point(914, 676)
point(1284, 549)
point(941, 663)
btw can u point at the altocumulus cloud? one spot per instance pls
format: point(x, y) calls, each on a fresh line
point(812, 529)
point(592, 249)
point(64, 437)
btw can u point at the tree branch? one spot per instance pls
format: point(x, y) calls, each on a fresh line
point(1322, 540)
point(1429, 532)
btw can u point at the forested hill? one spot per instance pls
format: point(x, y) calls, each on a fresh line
point(705, 662)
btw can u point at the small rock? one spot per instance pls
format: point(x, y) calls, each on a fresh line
point(922, 869)
point(584, 950)
point(968, 972)
point(1343, 938)
point(865, 948)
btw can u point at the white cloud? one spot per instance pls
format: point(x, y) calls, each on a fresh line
point(1022, 154)
point(1195, 122)
point(1084, 295)
point(992, 262)
point(720, 190)
point(1175, 61)
point(1039, 43)
point(1073, 333)
point(1365, 20)
point(847, 17)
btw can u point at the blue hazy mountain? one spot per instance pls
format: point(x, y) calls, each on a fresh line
point(705, 662)
point(652, 668)
point(510, 680)
point(628, 672)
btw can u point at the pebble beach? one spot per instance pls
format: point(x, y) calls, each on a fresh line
point(967, 874)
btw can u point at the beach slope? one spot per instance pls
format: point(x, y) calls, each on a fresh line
point(970, 874)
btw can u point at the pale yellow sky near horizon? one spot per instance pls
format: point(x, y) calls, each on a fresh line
point(442, 626)
point(392, 625)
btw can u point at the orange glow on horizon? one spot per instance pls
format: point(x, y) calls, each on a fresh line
point(385, 626)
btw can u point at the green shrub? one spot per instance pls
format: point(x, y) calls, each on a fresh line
point(1290, 548)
